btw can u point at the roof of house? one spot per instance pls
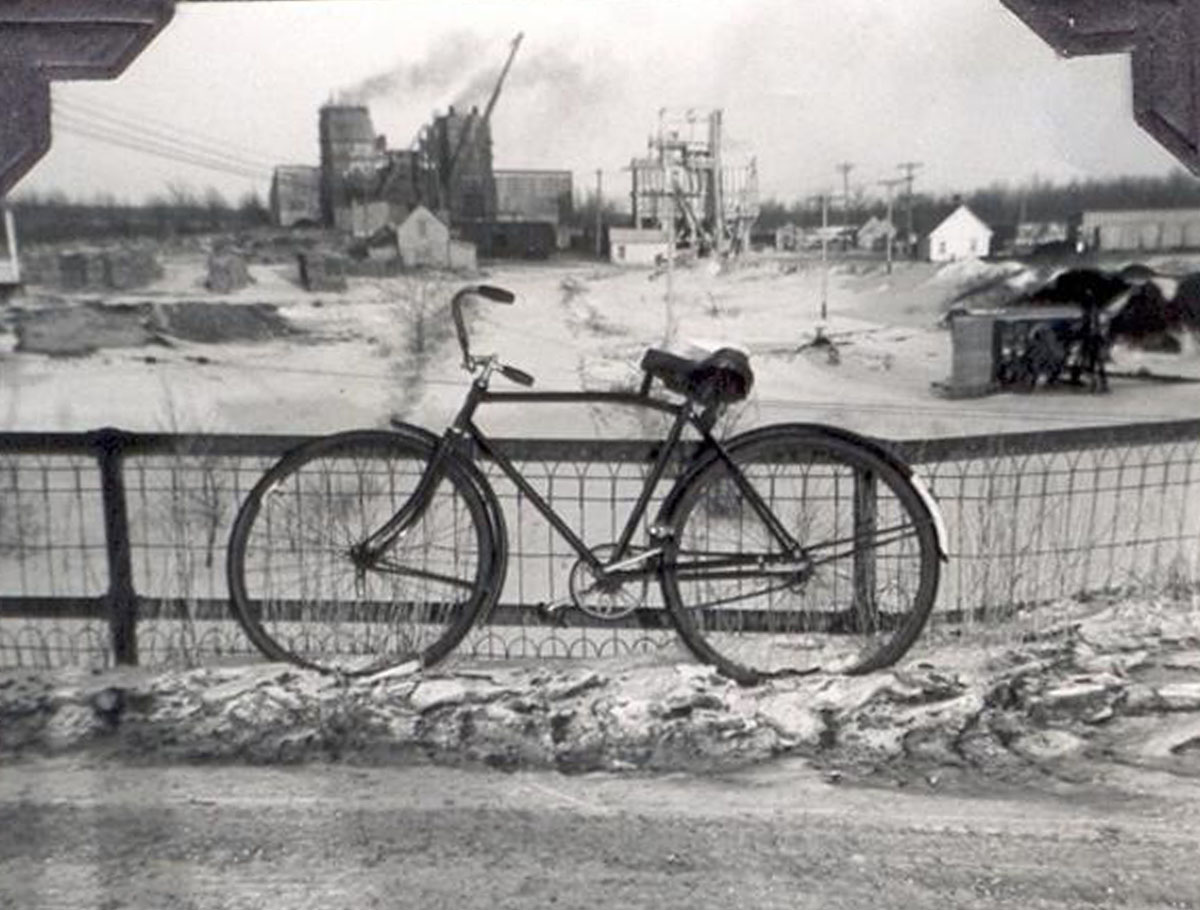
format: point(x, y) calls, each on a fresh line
point(1127, 216)
point(637, 235)
point(961, 215)
point(877, 223)
point(418, 210)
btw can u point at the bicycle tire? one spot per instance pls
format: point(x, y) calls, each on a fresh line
point(856, 611)
point(295, 589)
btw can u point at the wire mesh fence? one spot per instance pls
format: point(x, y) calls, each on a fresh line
point(1032, 518)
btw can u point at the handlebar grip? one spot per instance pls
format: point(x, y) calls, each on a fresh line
point(495, 294)
point(520, 377)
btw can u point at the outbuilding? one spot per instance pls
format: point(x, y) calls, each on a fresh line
point(423, 240)
point(874, 233)
point(296, 195)
point(1142, 229)
point(638, 246)
point(961, 235)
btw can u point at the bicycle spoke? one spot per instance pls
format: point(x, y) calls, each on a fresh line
point(855, 595)
point(388, 568)
point(302, 596)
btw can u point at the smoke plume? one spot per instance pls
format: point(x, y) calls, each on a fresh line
point(548, 71)
point(442, 70)
point(465, 67)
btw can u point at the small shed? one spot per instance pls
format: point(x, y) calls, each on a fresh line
point(874, 233)
point(638, 246)
point(462, 256)
point(322, 271)
point(787, 238)
point(363, 219)
point(10, 266)
point(296, 195)
point(423, 240)
point(961, 235)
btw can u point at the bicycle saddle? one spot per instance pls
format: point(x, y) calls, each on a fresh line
point(722, 377)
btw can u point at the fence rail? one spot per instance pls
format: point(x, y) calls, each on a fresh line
point(112, 543)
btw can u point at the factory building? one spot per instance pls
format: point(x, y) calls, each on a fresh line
point(351, 157)
point(687, 187)
point(1144, 229)
point(457, 148)
point(295, 197)
point(362, 186)
point(536, 197)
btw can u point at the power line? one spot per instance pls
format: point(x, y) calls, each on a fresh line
point(160, 151)
point(151, 144)
point(142, 120)
point(213, 148)
point(171, 151)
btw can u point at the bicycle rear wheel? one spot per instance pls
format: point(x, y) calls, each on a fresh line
point(855, 599)
point(297, 591)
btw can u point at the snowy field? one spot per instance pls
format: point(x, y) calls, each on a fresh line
point(352, 359)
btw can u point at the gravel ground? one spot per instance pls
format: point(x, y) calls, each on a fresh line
point(97, 835)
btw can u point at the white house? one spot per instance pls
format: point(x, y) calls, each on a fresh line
point(962, 235)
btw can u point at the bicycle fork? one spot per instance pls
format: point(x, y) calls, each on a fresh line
point(367, 553)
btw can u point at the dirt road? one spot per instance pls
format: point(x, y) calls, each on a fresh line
point(75, 834)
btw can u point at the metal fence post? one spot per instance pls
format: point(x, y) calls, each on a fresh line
point(866, 523)
point(110, 444)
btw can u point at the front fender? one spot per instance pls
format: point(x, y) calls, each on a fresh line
point(491, 503)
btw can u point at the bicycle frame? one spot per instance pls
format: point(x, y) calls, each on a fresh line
point(464, 428)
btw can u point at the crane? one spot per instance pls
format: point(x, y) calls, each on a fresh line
point(469, 125)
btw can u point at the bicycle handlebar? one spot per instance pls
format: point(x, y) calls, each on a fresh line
point(490, 292)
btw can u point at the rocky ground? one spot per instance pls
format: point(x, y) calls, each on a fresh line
point(1115, 684)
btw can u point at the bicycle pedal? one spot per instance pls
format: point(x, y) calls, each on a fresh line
point(554, 611)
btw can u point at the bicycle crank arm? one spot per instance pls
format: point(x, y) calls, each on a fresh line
point(629, 563)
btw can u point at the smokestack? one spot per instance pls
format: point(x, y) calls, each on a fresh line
point(346, 137)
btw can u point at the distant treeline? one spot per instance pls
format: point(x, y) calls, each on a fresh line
point(1000, 204)
point(53, 217)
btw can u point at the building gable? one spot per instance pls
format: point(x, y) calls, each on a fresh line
point(961, 221)
point(421, 224)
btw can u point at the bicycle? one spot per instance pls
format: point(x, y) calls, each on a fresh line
point(782, 550)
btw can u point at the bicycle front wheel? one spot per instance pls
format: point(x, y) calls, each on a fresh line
point(296, 587)
point(853, 599)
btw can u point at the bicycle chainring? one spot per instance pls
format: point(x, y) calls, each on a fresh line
point(606, 598)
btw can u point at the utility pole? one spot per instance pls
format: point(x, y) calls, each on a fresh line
point(599, 213)
point(716, 187)
point(910, 169)
point(824, 199)
point(824, 257)
point(846, 167)
point(669, 180)
point(890, 184)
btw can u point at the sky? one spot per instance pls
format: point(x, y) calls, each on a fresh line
point(961, 86)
